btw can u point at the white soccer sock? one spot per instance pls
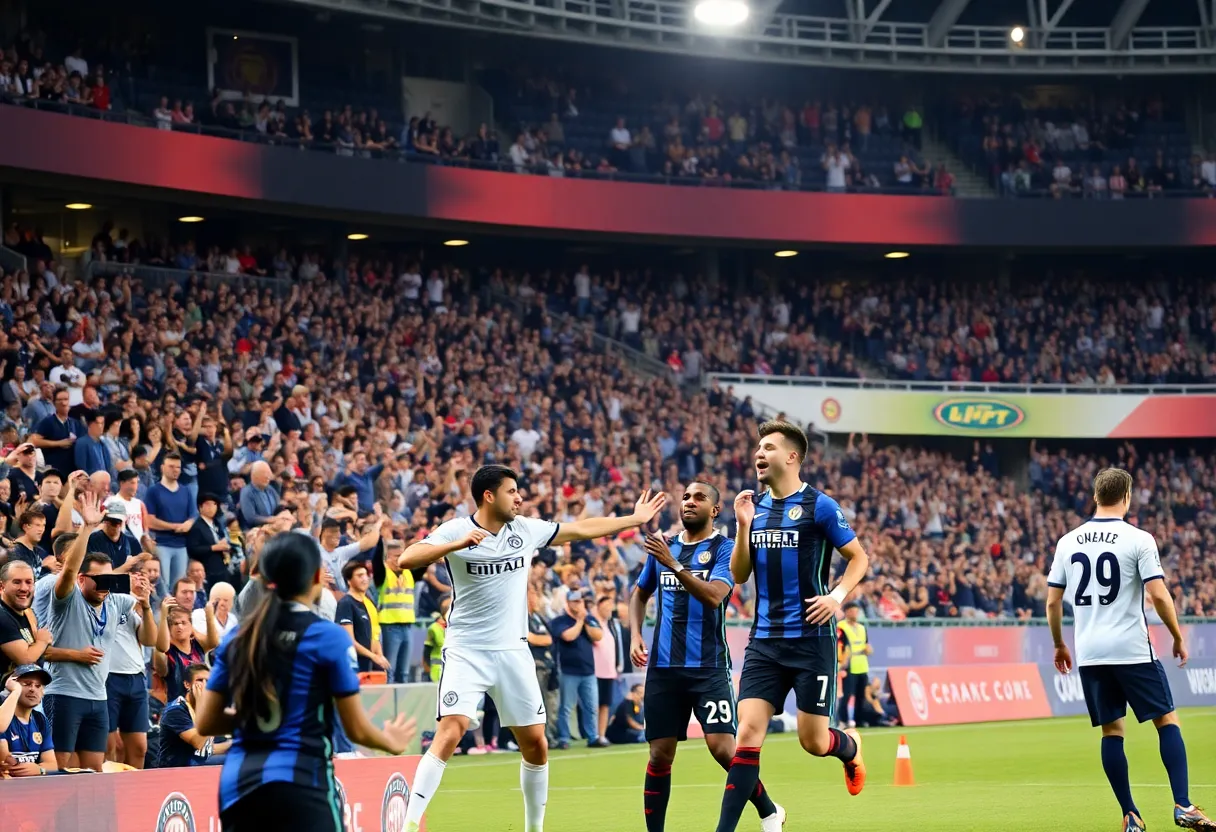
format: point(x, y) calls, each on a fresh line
point(426, 783)
point(534, 782)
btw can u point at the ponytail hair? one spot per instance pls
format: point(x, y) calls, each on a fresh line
point(289, 562)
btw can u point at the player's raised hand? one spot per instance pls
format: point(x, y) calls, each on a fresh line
point(90, 509)
point(648, 505)
point(637, 651)
point(1180, 652)
point(474, 537)
point(656, 546)
point(745, 507)
point(1063, 660)
point(821, 609)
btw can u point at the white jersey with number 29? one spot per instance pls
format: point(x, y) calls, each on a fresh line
point(1102, 566)
point(490, 582)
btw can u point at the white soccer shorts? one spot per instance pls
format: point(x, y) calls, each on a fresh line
point(508, 676)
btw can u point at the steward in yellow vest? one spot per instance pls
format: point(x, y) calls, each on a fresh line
point(855, 653)
point(395, 597)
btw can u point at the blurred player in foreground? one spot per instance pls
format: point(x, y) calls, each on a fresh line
point(275, 687)
point(786, 538)
point(485, 651)
point(1107, 566)
point(690, 672)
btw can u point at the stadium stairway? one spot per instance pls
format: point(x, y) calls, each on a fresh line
point(967, 183)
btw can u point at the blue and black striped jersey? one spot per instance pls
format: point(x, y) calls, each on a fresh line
point(294, 743)
point(792, 541)
point(687, 633)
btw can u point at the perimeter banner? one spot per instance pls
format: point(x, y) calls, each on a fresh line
point(954, 694)
point(374, 793)
point(1025, 415)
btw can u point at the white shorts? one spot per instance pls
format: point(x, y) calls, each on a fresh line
point(508, 676)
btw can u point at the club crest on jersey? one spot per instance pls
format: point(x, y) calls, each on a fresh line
point(36, 737)
point(794, 513)
point(175, 814)
point(451, 698)
point(396, 799)
point(669, 581)
point(705, 557)
point(496, 567)
point(515, 542)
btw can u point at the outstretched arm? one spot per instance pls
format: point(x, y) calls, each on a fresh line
point(647, 506)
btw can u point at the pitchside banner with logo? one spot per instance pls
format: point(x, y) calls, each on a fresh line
point(1091, 415)
point(374, 794)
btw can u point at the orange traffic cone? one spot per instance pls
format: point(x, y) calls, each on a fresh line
point(903, 764)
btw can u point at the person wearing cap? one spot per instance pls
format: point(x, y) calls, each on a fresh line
point(23, 470)
point(207, 541)
point(576, 632)
point(112, 538)
point(252, 451)
point(26, 746)
point(854, 643)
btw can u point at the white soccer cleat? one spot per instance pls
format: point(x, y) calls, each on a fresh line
point(774, 822)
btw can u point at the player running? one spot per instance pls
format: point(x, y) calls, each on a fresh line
point(1107, 566)
point(488, 556)
point(691, 671)
point(786, 538)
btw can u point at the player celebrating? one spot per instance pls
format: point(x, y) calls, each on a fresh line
point(691, 672)
point(1107, 566)
point(786, 538)
point(486, 650)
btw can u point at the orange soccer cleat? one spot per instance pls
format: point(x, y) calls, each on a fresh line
point(855, 769)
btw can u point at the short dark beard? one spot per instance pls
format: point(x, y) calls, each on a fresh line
point(697, 526)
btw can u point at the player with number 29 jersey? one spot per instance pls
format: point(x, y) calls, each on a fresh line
point(1103, 566)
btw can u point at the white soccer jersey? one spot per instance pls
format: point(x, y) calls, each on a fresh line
point(1102, 566)
point(490, 582)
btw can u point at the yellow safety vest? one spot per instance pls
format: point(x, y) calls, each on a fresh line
point(397, 598)
point(855, 634)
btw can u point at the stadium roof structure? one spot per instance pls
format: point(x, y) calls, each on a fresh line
point(1057, 37)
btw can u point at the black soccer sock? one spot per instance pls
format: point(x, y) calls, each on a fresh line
point(655, 795)
point(1173, 754)
point(843, 746)
point(1114, 763)
point(741, 781)
point(760, 799)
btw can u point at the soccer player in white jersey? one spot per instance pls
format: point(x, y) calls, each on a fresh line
point(1105, 568)
point(488, 557)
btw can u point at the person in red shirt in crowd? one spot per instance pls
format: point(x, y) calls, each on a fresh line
point(99, 90)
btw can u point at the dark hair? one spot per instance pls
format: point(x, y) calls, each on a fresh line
point(351, 567)
point(189, 674)
point(61, 543)
point(792, 433)
point(52, 472)
point(289, 563)
point(488, 478)
point(128, 473)
point(171, 455)
point(181, 581)
point(92, 558)
point(330, 523)
point(711, 488)
point(346, 490)
point(29, 516)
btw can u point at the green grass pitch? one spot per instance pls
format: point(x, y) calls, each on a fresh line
point(1019, 776)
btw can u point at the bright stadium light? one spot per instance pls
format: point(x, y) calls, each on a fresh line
point(189, 219)
point(1017, 34)
point(78, 206)
point(785, 252)
point(896, 255)
point(721, 13)
point(455, 243)
point(357, 235)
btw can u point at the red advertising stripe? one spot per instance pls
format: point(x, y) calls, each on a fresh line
point(954, 694)
point(982, 645)
point(376, 792)
point(1169, 417)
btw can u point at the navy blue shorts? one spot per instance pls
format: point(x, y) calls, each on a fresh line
point(77, 724)
point(1110, 688)
point(127, 697)
point(674, 695)
point(772, 667)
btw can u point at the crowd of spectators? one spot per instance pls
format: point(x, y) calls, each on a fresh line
point(1120, 151)
point(189, 423)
